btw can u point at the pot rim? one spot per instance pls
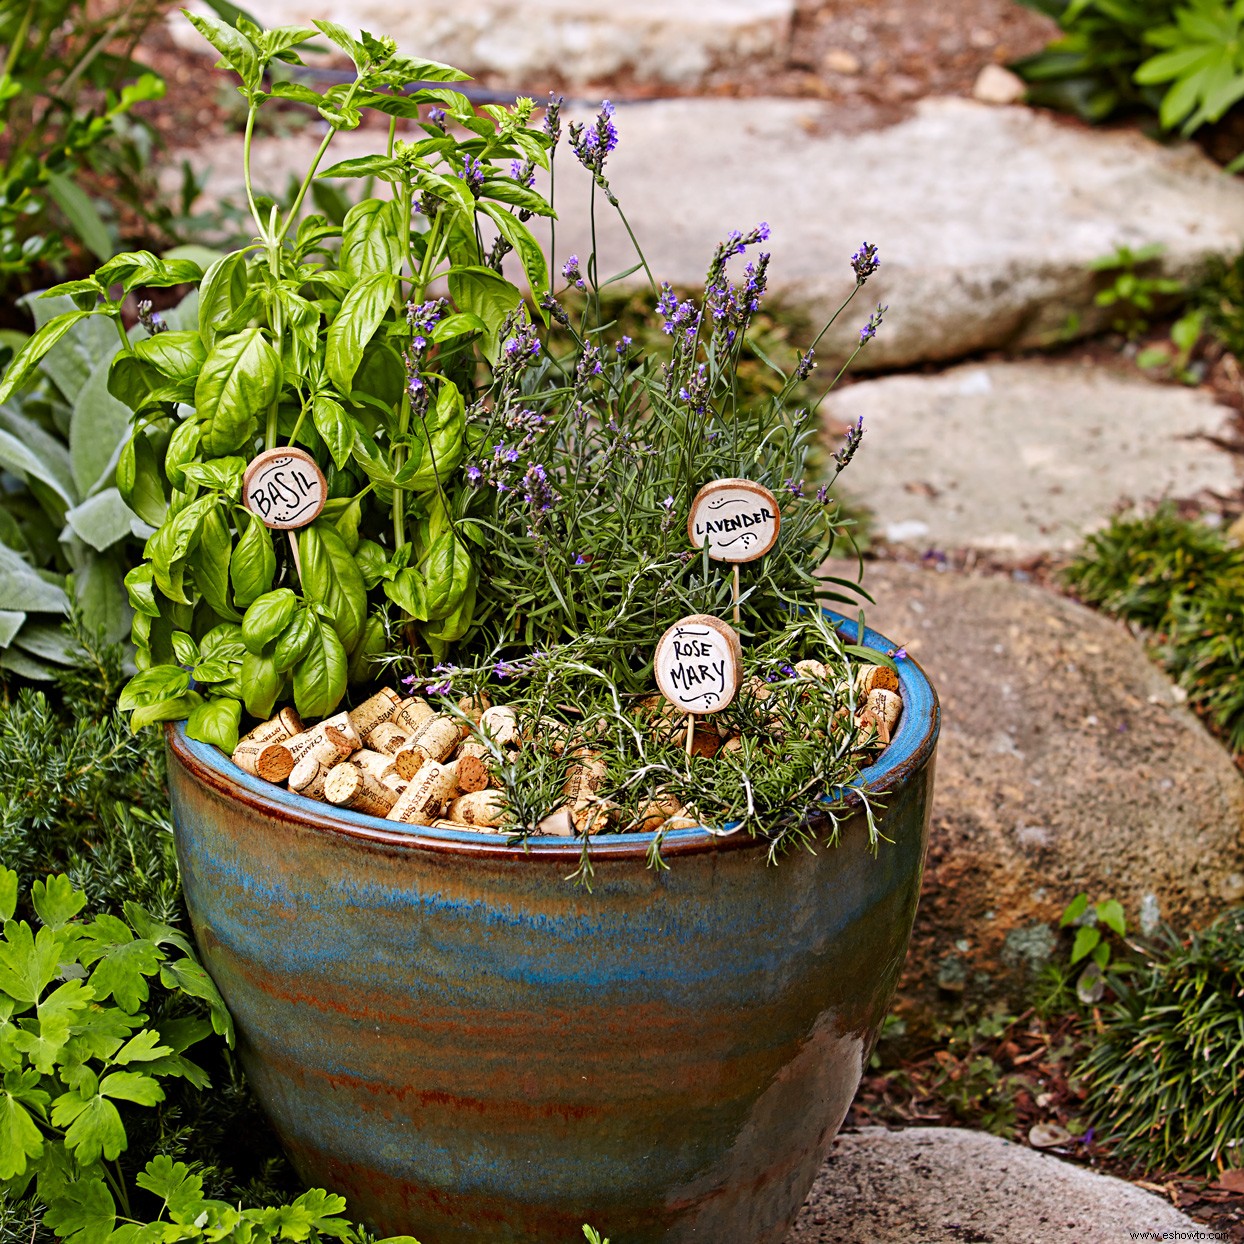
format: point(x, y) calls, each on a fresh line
point(909, 751)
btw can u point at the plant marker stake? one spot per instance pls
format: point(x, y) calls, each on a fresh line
point(698, 665)
point(735, 521)
point(285, 490)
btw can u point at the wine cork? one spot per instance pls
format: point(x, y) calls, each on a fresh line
point(307, 778)
point(593, 814)
point(381, 707)
point(558, 824)
point(386, 737)
point(283, 726)
point(656, 812)
point(349, 786)
point(423, 799)
point(270, 761)
point(871, 677)
point(705, 742)
point(342, 740)
point(394, 781)
point(472, 772)
point(435, 740)
point(758, 688)
point(732, 743)
point(481, 807)
point(681, 822)
point(583, 780)
point(501, 725)
point(811, 669)
point(881, 710)
point(474, 706)
point(413, 714)
point(378, 764)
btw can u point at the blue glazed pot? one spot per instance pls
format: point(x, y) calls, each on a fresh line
point(468, 1046)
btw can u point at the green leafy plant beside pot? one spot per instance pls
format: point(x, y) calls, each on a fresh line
point(508, 479)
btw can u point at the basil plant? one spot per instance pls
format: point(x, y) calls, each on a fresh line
point(333, 337)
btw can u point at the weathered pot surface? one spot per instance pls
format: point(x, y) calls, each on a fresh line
point(469, 1046)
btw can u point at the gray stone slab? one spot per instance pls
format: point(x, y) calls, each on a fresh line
point(1021, 458)
point(942, 1185)
point(1067, 762)
point(531, 41)
point(985, 216)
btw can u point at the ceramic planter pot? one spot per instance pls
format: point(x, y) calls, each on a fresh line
point(468, 1046)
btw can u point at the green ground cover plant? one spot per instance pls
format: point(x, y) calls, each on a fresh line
point(1180, 59)
point(1182, 582)
point(1164, 1069)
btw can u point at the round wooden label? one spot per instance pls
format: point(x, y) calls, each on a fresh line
point(699, 663)
point(738, 520)
point(284, 488)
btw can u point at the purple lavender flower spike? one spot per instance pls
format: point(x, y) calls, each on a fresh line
point(869, 331)
point(865, 262)
point(570, 270)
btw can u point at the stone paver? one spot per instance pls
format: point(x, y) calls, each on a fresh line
point(1021, 458)
point(942, 1185)
point(675, 41)
point(1066, 763)
point(985, 216)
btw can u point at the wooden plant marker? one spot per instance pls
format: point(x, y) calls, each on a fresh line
point(737, 520)
point(285, 490)
point(698, 666)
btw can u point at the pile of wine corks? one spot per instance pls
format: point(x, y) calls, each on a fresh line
point(393, 757)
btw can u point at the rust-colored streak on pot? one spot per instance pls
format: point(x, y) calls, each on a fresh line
point(470, 1047)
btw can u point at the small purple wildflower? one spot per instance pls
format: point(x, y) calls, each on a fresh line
point(592, 146)
point(473, 174)
point(795, 486)
point(444, 687)
point(570, 270)
point(865, 262)
point(869, 331)
point(580, 560)
point(622, 345)
point(437, 117)
point(805, 366)
point(552, 117)
point(822, 494)
point(523, 172)
point(150, 319)
point(589, 364)
point(474, 476)
point(850, 444)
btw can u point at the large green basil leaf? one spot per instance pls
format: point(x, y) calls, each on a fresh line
point(176, 354)
point(168, 548)
point(267, 617)
point(371, 238)
point(160, 682)
point(320, 677)
point(210, 564)
point(371, 559)
point(182, 449)
point(295, 642)
point(354, 325)
point(253, 565)
point(139, 480)
point(166, 710)
point(335, 426)
point(331, 578)
point(372, 644)
point(261, 684)
point(239, 381)
point(447, 571)
point(525, 246)
point(437, 443)
point(216, 721)
point(222, 291)
point(457, 623)
point(407, 590)
point(237, 51)
point(28, 357)
point(485, 294)
point(140, 586)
